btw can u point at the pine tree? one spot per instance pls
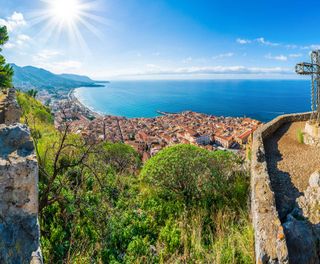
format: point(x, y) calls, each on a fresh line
point(6, 71)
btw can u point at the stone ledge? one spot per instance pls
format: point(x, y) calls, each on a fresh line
point(270, 242)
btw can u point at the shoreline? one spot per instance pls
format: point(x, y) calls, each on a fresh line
point(73, 99)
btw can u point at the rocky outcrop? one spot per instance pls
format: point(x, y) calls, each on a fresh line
point(302, 244)
point(270, 238)
point(310, 201)
point(303, 225)
point(19, 228)
point(12, 111)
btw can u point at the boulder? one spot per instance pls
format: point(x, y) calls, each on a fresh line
point(314, 180)
point(301, 242)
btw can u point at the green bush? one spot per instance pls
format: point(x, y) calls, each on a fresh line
point(300, 136)
point(170, 236)
point(193, 175)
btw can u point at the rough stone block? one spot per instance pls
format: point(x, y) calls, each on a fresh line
point(19, 228)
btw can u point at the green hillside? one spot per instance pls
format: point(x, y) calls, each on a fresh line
point(31, 77)
point(77, 78)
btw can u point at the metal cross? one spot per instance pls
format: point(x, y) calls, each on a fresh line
point(313, 69)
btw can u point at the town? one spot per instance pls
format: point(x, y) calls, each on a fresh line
point(149, 135)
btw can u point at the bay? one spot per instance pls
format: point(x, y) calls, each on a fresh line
point(258, 99)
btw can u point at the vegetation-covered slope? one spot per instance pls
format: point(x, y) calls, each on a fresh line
point(99, 204)
point(78, 78)
point(32, 77)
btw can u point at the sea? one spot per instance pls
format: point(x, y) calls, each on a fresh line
point(259, 99)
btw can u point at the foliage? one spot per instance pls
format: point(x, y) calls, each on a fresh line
point(35, 112)
point(190, 174)
point(300, 136)
point(32, 92)
point(123, 158)
point(186, 204)
point(6, 71)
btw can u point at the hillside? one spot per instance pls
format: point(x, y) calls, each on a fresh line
point(31, 77)
point(77, 78)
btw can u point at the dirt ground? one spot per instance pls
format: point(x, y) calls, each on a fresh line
point(290, 165)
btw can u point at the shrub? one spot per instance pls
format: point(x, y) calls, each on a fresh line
point(121, 157)
point(190, 174)
point(300, 136)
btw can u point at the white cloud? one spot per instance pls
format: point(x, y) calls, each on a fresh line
point(187, 60)
point(295, 55)
point(291, 46)
point(209, 70)
point(60, 66)
point(13, 22)
point(279, 57)
point(46, 54)
point(9, 45)
point(150, 65)
point(266, 42)
point(223, 55)
point(311, 47)
point(68, 65)
point(17, 41)
point(54, 60)
point(260, 40)
point(243, 41)
point(22, 39)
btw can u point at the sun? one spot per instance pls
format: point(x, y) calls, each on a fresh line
point(66, 11)
point(71, 17)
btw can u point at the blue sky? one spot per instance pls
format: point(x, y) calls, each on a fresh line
point(162, 39)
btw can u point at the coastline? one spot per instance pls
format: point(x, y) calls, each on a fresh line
point(74, 100)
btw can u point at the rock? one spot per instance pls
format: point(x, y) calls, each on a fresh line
point(302, 244)
point(19, 227)
point(15, 138)
point(12, 110)
point(310, 201)
point(314, 180)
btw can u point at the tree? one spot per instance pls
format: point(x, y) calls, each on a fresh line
point(189, 174)
point(6, 71)
point(123, 158)
point(33, 93)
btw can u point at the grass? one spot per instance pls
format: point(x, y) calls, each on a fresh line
point(300, 136)
point(231, 241)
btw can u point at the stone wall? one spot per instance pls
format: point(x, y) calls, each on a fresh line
point(270, 242)
point(19, 228)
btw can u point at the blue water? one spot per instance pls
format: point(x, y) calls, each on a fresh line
point(259, 99)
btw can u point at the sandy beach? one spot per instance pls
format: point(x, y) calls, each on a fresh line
point(73, 99)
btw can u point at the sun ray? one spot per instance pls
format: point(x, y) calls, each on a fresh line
point(91, 28)
point(65, 17)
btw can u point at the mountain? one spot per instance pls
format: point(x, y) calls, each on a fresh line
point(31, 77)
point(77, 78)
